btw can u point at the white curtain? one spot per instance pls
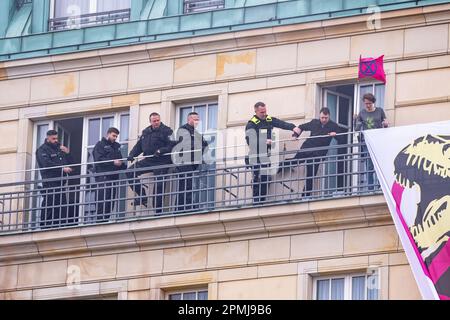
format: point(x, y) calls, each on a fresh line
point(323, 290)
point(358, 288)
point(68, 8)
point(112, 5)
point(337, 289)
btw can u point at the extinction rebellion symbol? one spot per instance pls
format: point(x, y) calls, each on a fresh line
point(368, 68)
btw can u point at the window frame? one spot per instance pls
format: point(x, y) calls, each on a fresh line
point(197, 290)
point(193, 104)
point(348, 286)
point(93, 4)
point(206, 9)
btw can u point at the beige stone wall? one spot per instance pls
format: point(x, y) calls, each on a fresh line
point(267, 253)
point(284, 66)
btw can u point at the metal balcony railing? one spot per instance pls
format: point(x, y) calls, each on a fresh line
point(169, 190)
point(90, 19)
point(191, 6)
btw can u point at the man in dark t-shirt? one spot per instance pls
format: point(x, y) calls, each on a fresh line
point(318, 127)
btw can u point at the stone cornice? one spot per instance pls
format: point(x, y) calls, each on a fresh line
point(194, 229)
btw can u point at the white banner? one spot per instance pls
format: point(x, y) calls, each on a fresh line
point(413, 166)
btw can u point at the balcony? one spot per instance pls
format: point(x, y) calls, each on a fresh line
point(90, 19)
point(191, 6)
point(74, 201)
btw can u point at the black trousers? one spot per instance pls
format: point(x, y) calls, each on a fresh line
point(260, 182)
point(136, 185)
point(54, 207)
point(106, 193)
point(312, 166)
point(185, 198)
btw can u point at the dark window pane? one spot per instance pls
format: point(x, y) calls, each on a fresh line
point(189, 296)
point(124, 127)
point(344, 105)
point(94, 131)
point(176, 296)
point(203, 295)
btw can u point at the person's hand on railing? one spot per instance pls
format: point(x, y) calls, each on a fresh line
point(118, 163)
point(67, 170)
point(269, 142)
point(157, 153)
point(130, 159)
point(332, 134)
point(297, 132)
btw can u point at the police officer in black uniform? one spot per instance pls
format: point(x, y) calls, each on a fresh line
point(154, 141)
point(259, 129)
point(54, 210)
point(188, 155)
point(107, 149)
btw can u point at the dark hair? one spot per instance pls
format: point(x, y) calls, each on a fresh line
point(52, 133)
point(259, 104)
point(114, 130)
point(325, 111)
point(154, 114)
point(193, 113)
point(370, 97)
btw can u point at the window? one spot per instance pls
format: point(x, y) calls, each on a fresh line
point(378, 90)
point(201, 294)
point(347, 287)
point(208, 113)
point(96, 128)
point(69, 14)
point(191, 6)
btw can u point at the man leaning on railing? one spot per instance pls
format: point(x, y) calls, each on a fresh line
point(54, 208)
point(154, 143)
point(325, 128)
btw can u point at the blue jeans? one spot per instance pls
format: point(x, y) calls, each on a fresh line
point(370, 174)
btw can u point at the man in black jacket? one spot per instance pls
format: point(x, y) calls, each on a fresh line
point(107, 149)
point(188, 155)
point(259, 137)
point(318, 127)
point(155, 142)
point(54, 204)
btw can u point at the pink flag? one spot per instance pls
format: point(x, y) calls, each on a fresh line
point(372, 68)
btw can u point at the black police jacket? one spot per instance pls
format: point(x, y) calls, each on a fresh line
point(49, 155)
point(193, 150)
point(261, 129)
point(153, 140)
point(106, 150)
point(317, 129)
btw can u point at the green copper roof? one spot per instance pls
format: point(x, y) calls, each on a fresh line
point(157, 20)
